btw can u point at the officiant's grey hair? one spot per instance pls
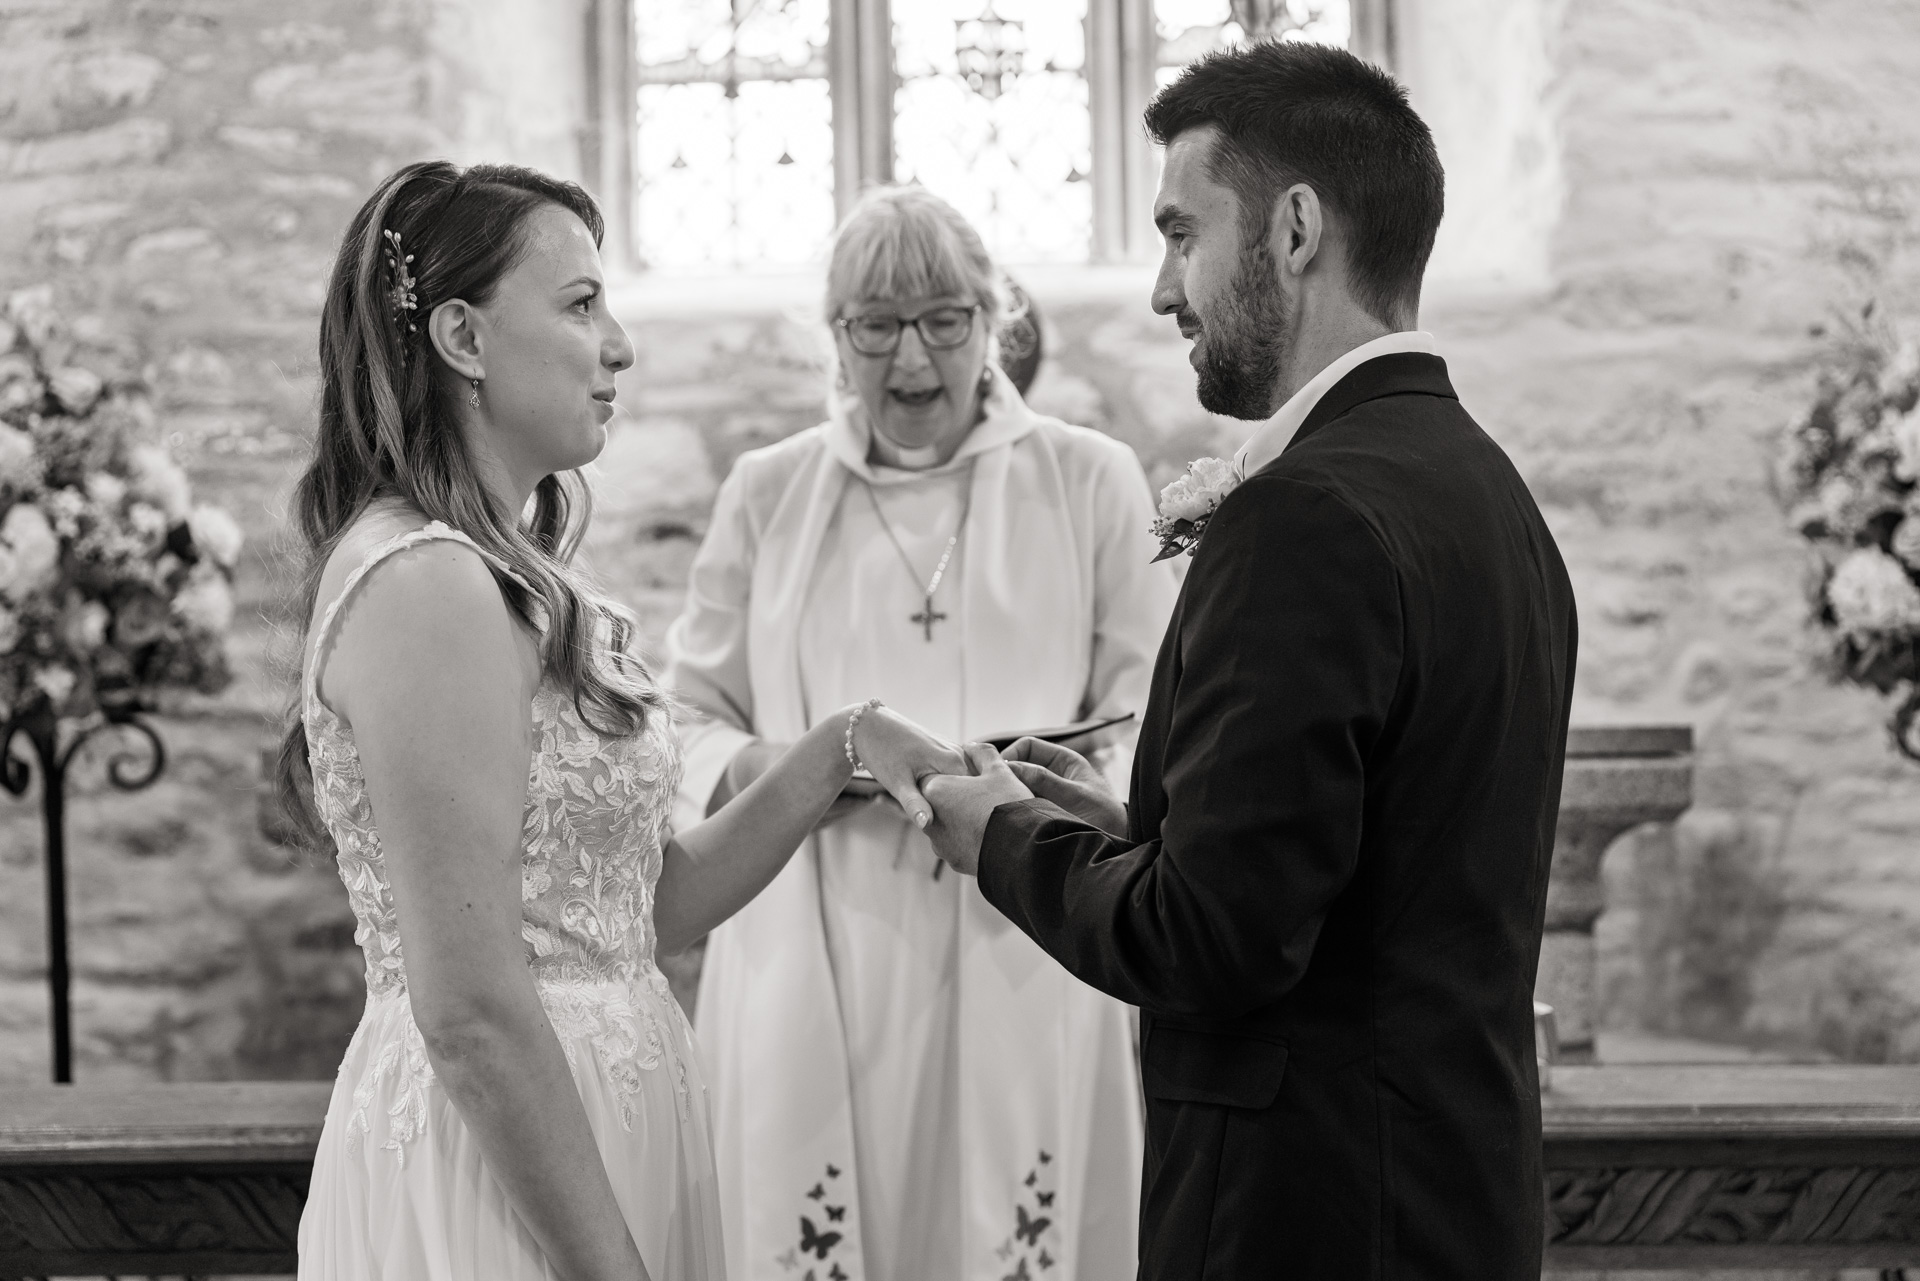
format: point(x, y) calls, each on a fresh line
point(905, 242)
point(1292, 112)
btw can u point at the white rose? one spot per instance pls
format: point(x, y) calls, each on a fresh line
point(32, 310)
point(106, 489)
point(216, 533)
point(205, 602)
point(1214, 475)
point(55, 682)
point(1871, 592)
point(34, 548)
point(9, 630)
point(19, 467)
point(85, 627)
point(1182, 500)
point(75, 388)
point(159, 480)
point(64, 507)
point(19, 386)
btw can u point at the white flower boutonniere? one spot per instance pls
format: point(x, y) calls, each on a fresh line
point(1189, 503)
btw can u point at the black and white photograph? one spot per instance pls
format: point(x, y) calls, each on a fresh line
point(960, 640)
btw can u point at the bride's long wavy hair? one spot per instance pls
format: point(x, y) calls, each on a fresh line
point(390, 428)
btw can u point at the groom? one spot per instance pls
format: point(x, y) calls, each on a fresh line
point(1326, 892)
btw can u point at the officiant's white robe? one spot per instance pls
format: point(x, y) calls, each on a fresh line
point(905, 1087)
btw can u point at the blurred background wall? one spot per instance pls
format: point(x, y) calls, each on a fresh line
point(1659, 212)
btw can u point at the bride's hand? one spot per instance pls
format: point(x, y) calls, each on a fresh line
point(898, 753)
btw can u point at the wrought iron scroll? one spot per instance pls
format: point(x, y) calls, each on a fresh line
point(1905, 724)
point(128, 769)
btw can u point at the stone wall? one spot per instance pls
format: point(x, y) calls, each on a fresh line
point(1739, 177)
point(1631, 310)
point(183, 171)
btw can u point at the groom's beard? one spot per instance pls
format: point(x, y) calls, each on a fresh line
point(1243, 343)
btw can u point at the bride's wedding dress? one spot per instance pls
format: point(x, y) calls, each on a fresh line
point(400, 1190)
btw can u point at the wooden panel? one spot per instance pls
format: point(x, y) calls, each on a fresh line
point(1711, 1166)
point(70, 1219)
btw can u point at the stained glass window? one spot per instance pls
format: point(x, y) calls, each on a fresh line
point(734, 153)
point(735, 135)
point(991, 114)
point(1191, 28)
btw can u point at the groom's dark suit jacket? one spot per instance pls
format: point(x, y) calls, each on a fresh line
point(1329, 905)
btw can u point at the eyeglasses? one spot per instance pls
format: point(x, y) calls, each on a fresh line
point(941, 329)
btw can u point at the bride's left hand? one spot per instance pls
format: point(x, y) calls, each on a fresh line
point(898, 753)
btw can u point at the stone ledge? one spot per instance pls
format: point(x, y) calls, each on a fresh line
point(244, 1121)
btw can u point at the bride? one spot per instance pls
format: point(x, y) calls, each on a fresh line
point(494, 769)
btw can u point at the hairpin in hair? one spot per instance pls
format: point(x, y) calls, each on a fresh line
point(400, 296)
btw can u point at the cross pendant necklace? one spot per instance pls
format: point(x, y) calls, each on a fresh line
point(928, 615)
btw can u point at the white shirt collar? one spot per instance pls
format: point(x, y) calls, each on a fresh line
point(1272, 436)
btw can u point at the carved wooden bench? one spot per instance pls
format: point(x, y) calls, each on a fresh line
point(1649, 1167)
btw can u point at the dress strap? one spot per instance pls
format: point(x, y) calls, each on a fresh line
point(432, 531)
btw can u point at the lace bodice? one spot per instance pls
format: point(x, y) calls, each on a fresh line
point(591, 836)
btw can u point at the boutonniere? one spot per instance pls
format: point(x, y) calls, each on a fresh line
point(1189, 503)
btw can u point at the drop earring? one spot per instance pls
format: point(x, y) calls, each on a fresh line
point(473, 397)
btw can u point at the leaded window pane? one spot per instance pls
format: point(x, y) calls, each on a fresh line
point(991, 114)
point(735, 133)
point(1189, 29)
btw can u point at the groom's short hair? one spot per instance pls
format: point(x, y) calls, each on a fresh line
point(1293, 112)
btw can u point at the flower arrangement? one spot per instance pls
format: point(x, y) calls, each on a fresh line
point(1848, 476)
point(114, 585)
point(1188, 503)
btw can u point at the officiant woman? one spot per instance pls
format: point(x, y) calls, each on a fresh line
point(905, 1088)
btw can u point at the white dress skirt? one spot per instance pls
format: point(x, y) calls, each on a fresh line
point(400, 1190)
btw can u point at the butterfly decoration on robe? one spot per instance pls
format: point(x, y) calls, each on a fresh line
point(833, 1171)
point(835, 1213)
point(814, 1240)
point(789, 1261)
point(1027, 1229)
point(1045, 1260)
point(835, 1274)
point(1019, 1273)
point(819, 1190)
point(1046, 1199)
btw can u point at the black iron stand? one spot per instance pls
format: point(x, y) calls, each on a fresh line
point(41, 728)
point(1903, 724)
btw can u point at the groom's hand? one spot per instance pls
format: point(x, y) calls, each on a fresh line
point(962, 805)
point(1063, 776)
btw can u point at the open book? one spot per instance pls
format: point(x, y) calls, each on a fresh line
point(1081, 736)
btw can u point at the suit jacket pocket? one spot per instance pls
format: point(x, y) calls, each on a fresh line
point(1186, 1065)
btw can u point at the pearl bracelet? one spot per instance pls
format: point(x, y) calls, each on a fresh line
point(853, 719)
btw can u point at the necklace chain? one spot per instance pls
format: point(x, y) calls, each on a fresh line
point(927, 617)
